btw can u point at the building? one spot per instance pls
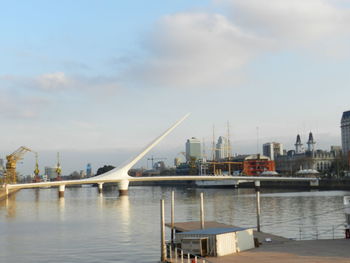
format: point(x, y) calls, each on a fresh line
point(51, 172)
point(2, 167)
point(222, 150)
point(272, 149)
point(88, 170)
point(256, 164)
point(309, 159)
point(193, 149)
point(345, 133)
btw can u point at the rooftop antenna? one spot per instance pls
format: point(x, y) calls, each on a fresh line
point(228, 141)
point(204, 156)
point(213, 144)
point(257, 140)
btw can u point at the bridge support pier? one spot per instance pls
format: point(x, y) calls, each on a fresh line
point(100, 188)
point(123, 187)
point(6, 190)
point(61, 189)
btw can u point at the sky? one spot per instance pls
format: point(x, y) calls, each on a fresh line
point(98, 80)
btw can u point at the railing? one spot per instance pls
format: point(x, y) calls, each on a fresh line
point(177, 255)
point(321, 232)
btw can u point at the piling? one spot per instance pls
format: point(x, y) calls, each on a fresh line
point(202, 211)
point(257, 190)
point(162, 233)
point(172, 216)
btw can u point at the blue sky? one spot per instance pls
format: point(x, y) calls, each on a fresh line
point(97, 80)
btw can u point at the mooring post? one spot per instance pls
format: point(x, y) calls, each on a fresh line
point(162, 232)
point(61, 189)
point(257, 190)
point(202, 212)
point(172, 216)
point(347, 216)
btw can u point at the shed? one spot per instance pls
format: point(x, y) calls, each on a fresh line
point(221, 241)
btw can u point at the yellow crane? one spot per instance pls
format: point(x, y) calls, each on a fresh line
point(11, 164)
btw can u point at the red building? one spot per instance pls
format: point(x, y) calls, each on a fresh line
point(256, 164)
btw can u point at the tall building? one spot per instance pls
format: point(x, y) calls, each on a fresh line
point(345, 133)
point(2, 167)
point(51, 173)
point(193, 149)
point(222, 150)
point(272, 149)
point(88, 170)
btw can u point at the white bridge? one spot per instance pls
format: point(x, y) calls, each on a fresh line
point(120, 174)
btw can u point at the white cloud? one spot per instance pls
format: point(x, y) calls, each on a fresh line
point(52, 81)
point(196, 50)
point(298, 22)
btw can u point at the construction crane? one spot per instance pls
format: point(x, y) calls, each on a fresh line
point(36, 170)
point(58, 168)
point(11, 164)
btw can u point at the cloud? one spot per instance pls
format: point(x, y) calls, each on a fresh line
point(27, 97)
point(296, 22)
point(52, 81)
point(196, 50)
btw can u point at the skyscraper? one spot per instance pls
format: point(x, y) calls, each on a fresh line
point(222, 149)
point(272, 149)
point(193, 149)
point(345, 133)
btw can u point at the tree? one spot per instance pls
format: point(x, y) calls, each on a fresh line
point(104, 169)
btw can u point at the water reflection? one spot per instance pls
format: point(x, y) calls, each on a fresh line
point(8, 206)
point(89, 227)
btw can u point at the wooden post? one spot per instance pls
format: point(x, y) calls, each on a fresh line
point(202, 212)
point(172, 216)
point(257, 189)
point(162, 233)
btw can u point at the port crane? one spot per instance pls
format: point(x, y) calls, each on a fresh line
point(11, 164)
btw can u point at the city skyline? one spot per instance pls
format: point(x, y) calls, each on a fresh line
point(96, 81)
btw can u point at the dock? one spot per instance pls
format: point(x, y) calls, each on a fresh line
point(276, 249)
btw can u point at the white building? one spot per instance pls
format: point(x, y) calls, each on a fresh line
point(193, 149)
point(272, 149)
point(345, 133)
point(222, 150)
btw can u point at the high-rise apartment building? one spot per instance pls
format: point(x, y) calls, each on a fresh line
point(345, 133)
point(272, 149)
point(222, 150)
point(193, 149)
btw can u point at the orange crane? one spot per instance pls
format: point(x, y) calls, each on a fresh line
point(11, 164)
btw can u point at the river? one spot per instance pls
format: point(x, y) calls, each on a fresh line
point(36, 226)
